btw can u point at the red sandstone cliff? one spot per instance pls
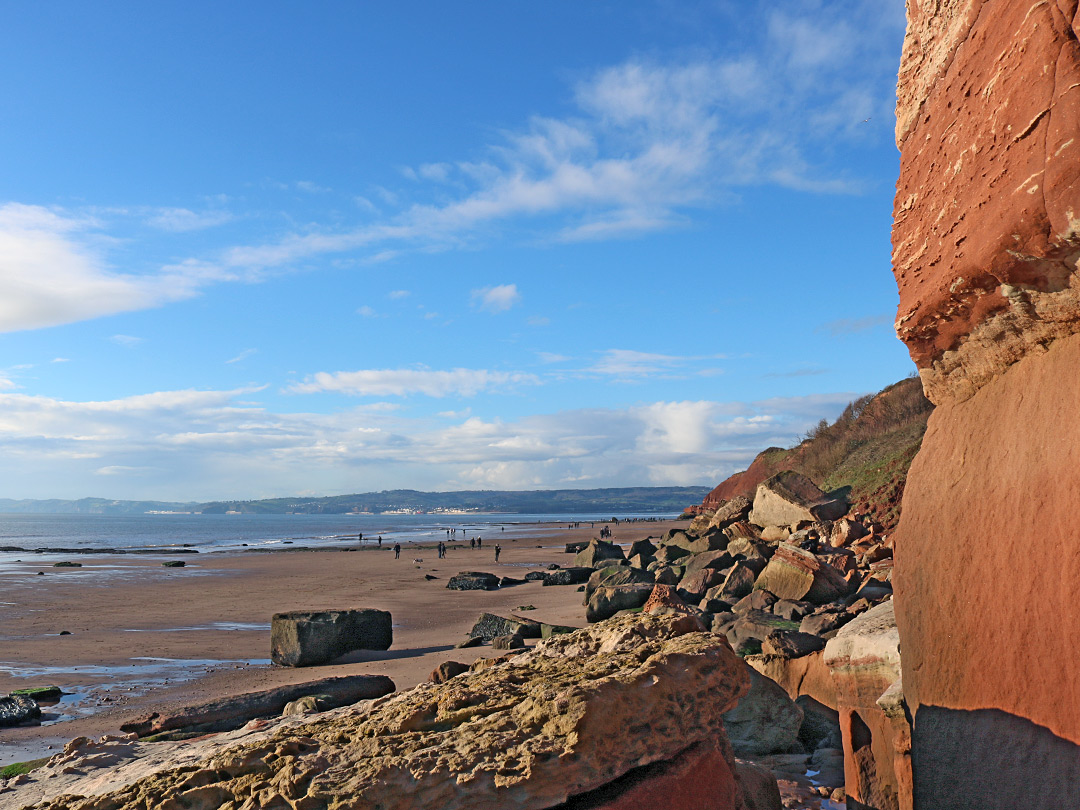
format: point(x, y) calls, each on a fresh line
point(986, 244)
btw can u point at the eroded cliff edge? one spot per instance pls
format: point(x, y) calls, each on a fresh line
point(986, 245)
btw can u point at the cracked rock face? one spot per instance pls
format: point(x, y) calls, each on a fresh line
point(986, 237)
point(574, 714)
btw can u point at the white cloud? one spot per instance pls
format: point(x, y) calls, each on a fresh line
point(538, 320)
point(311, 188)
point(129, 341)
point(397, 295)
point(496, 299)
point(51, 276)
point(244, 355)
point(61, 360)
point(463, 382)
point(367, 312)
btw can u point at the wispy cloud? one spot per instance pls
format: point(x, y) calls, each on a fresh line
point(397, 295)
point(128, 341)
point(462, 382)
point(367, 312)
point(182, 220)
point(627, 363)
point(496, 299)
point(799, 372)
point(244, 355)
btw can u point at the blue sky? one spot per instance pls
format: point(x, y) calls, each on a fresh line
point(259, 249)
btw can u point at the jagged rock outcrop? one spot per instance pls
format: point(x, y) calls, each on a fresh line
point(578, 713)
point(986, 242)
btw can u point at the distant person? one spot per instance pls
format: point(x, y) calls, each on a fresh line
point(479, 542)
point(498, 551)
point(380, 541)
point(397, 550)
point(360, 537)
point(472, 542)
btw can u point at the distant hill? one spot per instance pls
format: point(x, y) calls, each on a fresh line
point(566, 501)
point(865, 453)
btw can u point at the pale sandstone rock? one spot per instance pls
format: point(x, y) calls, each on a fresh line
point(864, 659)
point(789, 498)
point(575, 713)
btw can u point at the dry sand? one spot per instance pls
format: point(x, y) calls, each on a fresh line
point(145, 638)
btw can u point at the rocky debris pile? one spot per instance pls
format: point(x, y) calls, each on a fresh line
point(304, 638)
point(627, 713)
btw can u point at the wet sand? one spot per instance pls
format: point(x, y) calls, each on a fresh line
point(147, 638)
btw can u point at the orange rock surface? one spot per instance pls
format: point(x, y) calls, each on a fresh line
point(986, 244)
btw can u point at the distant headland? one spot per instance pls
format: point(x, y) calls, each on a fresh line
point(655, 500)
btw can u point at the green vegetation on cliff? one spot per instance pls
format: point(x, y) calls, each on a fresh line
point(865, 453)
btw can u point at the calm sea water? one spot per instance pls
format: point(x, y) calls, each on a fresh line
point(208, 533)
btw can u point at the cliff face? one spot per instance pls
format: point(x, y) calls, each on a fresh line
point(987, 225)
point(986, 244)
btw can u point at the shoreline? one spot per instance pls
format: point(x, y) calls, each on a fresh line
point(145, 637)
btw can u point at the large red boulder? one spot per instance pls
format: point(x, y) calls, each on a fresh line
point(986, 242)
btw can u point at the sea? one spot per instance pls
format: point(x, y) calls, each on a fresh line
point(197, 533)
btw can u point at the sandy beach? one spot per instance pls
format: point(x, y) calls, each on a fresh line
point(141, 637)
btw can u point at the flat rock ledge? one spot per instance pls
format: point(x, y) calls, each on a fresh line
point(574, 714)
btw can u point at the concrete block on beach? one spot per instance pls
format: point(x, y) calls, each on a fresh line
point(304, 638)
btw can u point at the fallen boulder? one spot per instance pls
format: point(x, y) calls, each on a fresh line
point(798, 575)
point(490, 625)
point(509, 642)
point(15, 710)
point(766, 721)
point(596, 551)
point(738, 508)
point(473, 581)
point(789, 498)
point(304, 638)
point(567, 576)
point(447, 670)
point(579, 713)
point(606, 601)
point(617, 575)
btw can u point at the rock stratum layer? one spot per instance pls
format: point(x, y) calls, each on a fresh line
point(986, 242)
point(986, 233)
point(575, 714)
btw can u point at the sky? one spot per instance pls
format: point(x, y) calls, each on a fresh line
point(259, 249)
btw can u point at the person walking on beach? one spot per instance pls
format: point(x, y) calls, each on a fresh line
point(380, 541)
point(472, 542)
point(397, 550)
point(498, 550)
point(479, 542)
